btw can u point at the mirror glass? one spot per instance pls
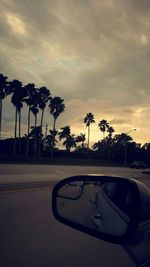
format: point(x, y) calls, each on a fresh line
point(71, 191)
point(103, 206)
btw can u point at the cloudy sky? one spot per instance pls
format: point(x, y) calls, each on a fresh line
point(93, 53)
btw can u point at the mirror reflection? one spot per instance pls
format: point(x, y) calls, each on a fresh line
point(103, 206)
point(71, 191)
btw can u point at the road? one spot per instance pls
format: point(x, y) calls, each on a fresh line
point(13, 173)
point(30, 235)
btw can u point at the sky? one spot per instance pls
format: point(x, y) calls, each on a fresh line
point(94, 54)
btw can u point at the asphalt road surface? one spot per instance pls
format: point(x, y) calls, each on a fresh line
point(30, 235)
point(13, 173)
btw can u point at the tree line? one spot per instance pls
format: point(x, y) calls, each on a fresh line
point(111, 146)
point(36, 99)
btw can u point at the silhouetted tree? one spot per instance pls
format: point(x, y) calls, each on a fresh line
point(35, 110)
point(51, 140)
point(103, 126)
point(4, 91)
point(81, 139)
point(56, 107)
point(18, 96)
point(44, 97)
point(64, 133)
point(110, 131)
point(30, 100)
point(89, 118)
point(146, 152)
point(102, 147)
point(119, 143)
point(70, 142)
point(97, 146)
point(122, 138)
point(35, 134)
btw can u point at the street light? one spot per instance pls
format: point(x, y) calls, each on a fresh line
point(125, 149)
point(130, 131)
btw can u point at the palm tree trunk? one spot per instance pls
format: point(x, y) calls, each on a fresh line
point(35, 122)
point(54, 125)
point(35, 137)
point(66, 148)
point(82, 144)
point(42, 115)
point(27, 147)
point(20, 131)
point(52, 147)
point(0, 116)
point(15, 133)
point(45, 137)
point(40, 140)
point(88, 136)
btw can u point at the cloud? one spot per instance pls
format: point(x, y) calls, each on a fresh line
point(94, 54)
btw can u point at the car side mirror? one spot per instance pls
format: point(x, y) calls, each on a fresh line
point(103, 206)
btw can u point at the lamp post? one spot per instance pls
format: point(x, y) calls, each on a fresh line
point(125, 149)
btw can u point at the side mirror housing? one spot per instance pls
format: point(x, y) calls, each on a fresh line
point(105, 207)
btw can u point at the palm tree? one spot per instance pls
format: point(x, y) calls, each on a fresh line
point(110, 131)
point(3, 93)
point(36, 136)
point(56, 107)
point(18, 96)
point(81, 139)
point(97, 145)
point(30, 100)
point(44, 97)
point(70, 142)
point(64, 133)
point(22, 100)
point(103, 126)
point(35, 110)
point(89, 118)
point(51, 140)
